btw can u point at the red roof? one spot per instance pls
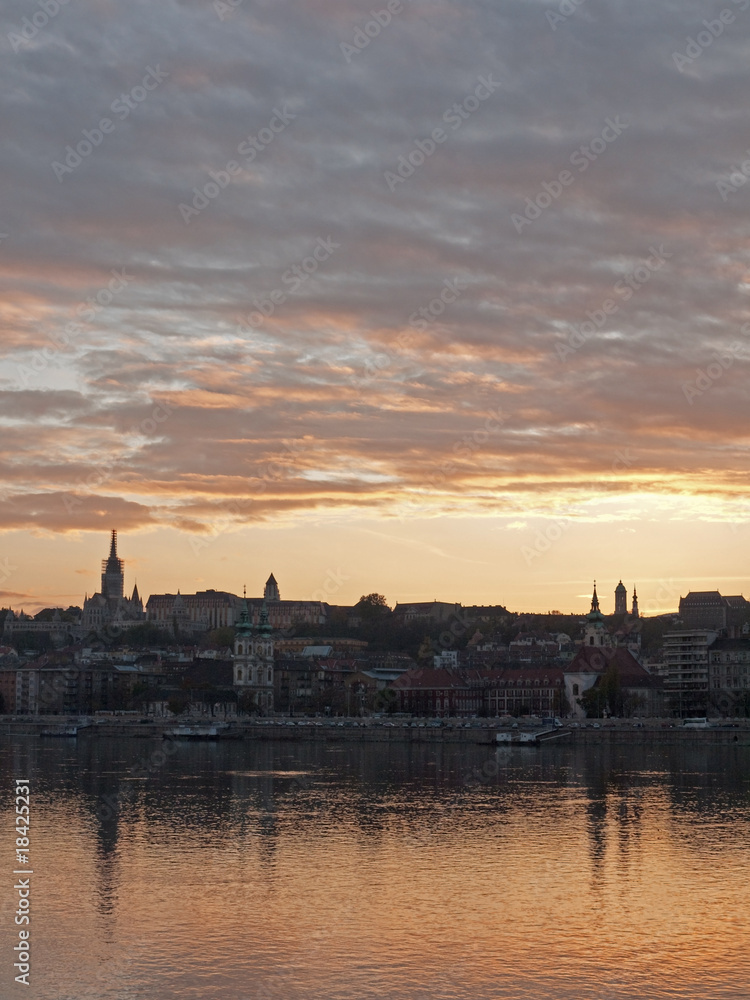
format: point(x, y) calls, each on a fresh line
point(596, 659)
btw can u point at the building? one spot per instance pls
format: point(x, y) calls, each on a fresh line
point(253, 661)
point(595, 632)
point(47, 687)
point(621, 599)
point(15, 625)
point(526, 691)
point(440, 692)
point(729, 676)
point(211, 609)
point(192, 613)
point(426, 611)
point(708, 609)
point(637, 691)
point(685, 670)
point(437, 692)
point(110, 609)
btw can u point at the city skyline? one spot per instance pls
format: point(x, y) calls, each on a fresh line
point(400, 304)
point(659, 596)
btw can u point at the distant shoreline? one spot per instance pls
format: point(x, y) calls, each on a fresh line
point(58, 729)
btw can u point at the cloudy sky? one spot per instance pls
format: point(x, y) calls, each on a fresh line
point(446, 302)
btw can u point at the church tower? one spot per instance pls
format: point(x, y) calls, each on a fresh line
point(595, 631)
point(634, 613)
point(113, 577)
point(621, 599)
point(271, 591)
point(253, 659)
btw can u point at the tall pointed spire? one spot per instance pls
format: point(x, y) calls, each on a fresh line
point(264, 626)
point(595, 600)
point(245, 624)
point(113, 545)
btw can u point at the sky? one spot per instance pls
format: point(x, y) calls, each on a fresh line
point(448, 300)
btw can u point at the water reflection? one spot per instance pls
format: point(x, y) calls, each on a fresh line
point(309, 870)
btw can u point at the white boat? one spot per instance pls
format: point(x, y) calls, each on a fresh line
point(196, 732)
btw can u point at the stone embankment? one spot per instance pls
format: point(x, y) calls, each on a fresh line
point(475, 731)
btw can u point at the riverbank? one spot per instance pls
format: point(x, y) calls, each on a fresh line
point(478, 731)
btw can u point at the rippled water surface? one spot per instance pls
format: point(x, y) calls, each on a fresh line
point(236, 871)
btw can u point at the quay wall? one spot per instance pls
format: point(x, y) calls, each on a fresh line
point(656, 732)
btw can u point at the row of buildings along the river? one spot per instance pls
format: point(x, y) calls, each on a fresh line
point(702, 665)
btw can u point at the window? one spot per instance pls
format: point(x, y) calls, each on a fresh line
point(575, 689)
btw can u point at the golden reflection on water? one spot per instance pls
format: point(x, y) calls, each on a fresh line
point(273, 871)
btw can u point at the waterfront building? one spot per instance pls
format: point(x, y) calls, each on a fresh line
point(685, 670)
point(729, 676)
point(640, 690)
point(526, 691)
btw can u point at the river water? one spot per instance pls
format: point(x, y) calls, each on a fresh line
point(256, 871)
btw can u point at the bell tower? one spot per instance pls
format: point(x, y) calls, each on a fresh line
point(595, 631)
point(113, 577)
point(621, 599)
point(253, 658)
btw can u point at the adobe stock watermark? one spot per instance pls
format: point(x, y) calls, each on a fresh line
point(30, 27)
point(565, 9)
point(464, 448)
point(667, 593)
point(225, 7)
point(272, 472)
point(88, 310)
point(122, 107)
point(371, 29)
point(706, 377)
point(737, 179)
point(421, 319)
point(250, 146)
point(103, 471)
point(623, 461)
point(712, 30)
point(455, 116)
point(597, 318)
point(544, 540)
point(582, 158)
point(6, 570)
point(294, 277)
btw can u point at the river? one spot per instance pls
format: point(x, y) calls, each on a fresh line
point(278, 871)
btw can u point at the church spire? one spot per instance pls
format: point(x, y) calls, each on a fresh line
point(595, 600)
point(245, 624)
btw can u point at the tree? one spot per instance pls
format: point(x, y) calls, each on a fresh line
point(178, 704)
point(372, 605)
point(147, 634)
point(605, 694)
point(218, 638)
